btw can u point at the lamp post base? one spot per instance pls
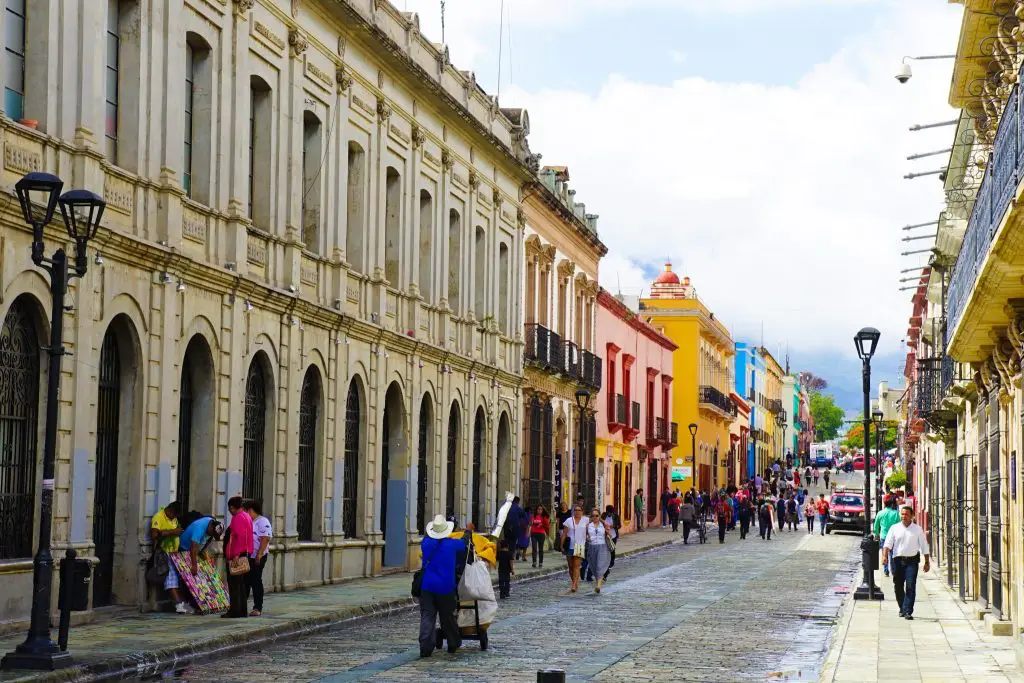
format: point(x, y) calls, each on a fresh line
point(37, 656)
point(866, 592)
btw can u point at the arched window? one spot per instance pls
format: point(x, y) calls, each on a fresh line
point(255, 431)
point(423, 463)
point(454, 259)
point(260, 152)
point(477, 504)
point(19, 405)
point(453, 452)
point(353, 418)
point(480, 276)
point(426, 255)
point(309, 414)
point(312, 156)
point(393, 228)
point(14, 61)
point(503, 280)
point(196, 165)
point(355, 225)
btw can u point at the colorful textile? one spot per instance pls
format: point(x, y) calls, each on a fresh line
point(206, 587)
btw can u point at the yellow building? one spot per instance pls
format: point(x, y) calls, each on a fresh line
point(703, 379)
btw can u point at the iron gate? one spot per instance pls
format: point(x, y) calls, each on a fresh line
point(385, 474)
point(421, 468)
point(350, 489)
point(995, 548)
point(453, 450)
point(964, 524)
point(949, 510)
point(185, 403)
point(477, 504)
point(309, 400)
point(255, 432)
point(108, 407)
point(653, 496)
point(19, 406)
point(983, 460)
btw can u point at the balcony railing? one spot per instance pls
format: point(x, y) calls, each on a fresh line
point(928, 386)
point(591, 373)
point(775, 406)
point(556, 353)
point(713, 397)
point(659, 429)
point(635, 421)
point(619, 416)
point(674, 434)
point(572, 360)
point(995, 193)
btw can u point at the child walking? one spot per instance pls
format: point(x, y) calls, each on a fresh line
point(506, 568)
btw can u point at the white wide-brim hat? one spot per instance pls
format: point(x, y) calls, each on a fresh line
point(440, 528)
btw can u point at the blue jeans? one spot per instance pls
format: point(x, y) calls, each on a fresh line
point(904, 576)
point(821, 521)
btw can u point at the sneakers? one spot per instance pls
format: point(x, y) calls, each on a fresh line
point(184, 608)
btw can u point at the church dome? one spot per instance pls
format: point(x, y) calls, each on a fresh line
point(667, 277)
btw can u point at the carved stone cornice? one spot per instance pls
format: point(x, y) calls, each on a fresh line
point(497, 199)
point(447, 161)
point(243, 6)
point(474, 180)
point(298, 42)
point(418, 136)
point(521, 219)
point(343, 78)
point(533, 246)
point(384, 111)
point(566, 268)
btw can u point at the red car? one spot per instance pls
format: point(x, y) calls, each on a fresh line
point(858, 463)
point(846, 512)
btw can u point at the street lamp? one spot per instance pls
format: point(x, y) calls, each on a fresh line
point(780, 422)
point(583, 403)
point(866, 341)
point(693, 450)
point(878, 418)
point(81, 211)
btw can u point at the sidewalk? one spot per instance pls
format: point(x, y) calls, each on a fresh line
point(147, 644)
point(941, 644)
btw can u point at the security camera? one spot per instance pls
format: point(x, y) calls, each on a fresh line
point(904, 74)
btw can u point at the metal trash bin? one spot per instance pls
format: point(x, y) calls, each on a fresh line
point(75, 581)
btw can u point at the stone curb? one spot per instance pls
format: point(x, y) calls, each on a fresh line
point(154, 662)
point(838, 639)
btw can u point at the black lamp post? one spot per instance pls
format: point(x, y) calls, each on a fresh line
point(866, 342)
point(81, 211)
point(583, 470)
point(693, 451)
point(877, 418)
point(780, 422)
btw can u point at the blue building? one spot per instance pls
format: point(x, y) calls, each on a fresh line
point(750, 372)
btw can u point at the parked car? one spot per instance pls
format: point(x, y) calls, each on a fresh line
point(858, 463)
point(846, 512)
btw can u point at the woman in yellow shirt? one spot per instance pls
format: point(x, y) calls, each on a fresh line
point(165, 531)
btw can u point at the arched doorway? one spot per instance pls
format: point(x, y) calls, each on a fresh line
point(257, 390)
point(19, 411)
point(505, 459)
point(394, 483)
point(423, 448)
point(196, 419)
point(451, 479)
point(116, 490)
point(476, 504)
point(309, 420)
point(353, 453)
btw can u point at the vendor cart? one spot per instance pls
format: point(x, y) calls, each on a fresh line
point(477, 631)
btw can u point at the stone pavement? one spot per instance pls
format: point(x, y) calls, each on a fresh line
point(942, 643)
point(145, 644)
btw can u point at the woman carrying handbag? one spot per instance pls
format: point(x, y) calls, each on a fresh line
point(237, 553)
point(574, 545)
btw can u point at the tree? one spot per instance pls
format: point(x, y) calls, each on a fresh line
point(855, 437)
point(828, 417)
point(811, 382)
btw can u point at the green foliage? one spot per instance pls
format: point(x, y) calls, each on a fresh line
point(828, 417)
point(897, 480)
point(855, 437)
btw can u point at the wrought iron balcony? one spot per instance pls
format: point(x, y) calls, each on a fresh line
point(659, 429)
point(634, 423)
point(775, 406)
point(573, 360)
point(711, 396)
point(537, 338)
point(928, 386)
point(673, 434)
point(556, 354)
point(591, 373)
point(618, 415)
point(995, 193)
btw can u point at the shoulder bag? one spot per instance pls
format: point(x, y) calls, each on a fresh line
point(417, 576)
point(239, 565)
point(578, 549)
point(161, 566)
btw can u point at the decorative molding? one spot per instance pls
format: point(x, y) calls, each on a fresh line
point(360, 104)
point(474, 180)
point(430, 159)
point(482, 197)
point(508, 217)
point(243, 6)
point(383, 110)
point(319, 74)
point(418, 136)
point(342, 44)
point(352, 293)
point(193, 226)
point(521, 218)
point(119, 194)
point(298, 41)
point(344, 79)
point(496, 197)
point(18, 158)
point(446, 159)
point(459, 181)
point(256, 250)
point(566, 268)
point(396, 132)
point(309, 273)
point(263, 31)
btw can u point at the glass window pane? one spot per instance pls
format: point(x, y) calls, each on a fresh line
point(17, 6)
point(113, 15)
point(188, 158)
point(111, 86)
point(111, 149)
point(12, 104)
point(14, 33)
point(186, 183)
point(14, 72)
point(112, 43)
point(111, 120)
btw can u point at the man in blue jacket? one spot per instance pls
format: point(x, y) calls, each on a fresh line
point(438, 597)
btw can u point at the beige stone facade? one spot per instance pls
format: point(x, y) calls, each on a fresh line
point(308, 290)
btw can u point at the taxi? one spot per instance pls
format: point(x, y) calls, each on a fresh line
point(846, 511)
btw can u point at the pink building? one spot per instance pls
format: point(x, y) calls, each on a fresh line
point(634, 429)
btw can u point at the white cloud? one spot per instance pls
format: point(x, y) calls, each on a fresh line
point(784, 202)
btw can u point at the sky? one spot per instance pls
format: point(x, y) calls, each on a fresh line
point(758, 144)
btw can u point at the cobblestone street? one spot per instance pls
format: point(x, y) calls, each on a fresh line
point(747, 610)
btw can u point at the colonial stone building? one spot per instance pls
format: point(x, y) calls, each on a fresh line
point(560, 294)
point(305, 288)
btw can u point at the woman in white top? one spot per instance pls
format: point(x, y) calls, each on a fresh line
point(599, 555)
point(574, 543)
point(262, 533)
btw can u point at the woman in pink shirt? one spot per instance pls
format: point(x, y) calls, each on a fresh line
point(239, 544)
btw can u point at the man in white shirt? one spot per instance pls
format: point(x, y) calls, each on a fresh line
point(905, 544)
